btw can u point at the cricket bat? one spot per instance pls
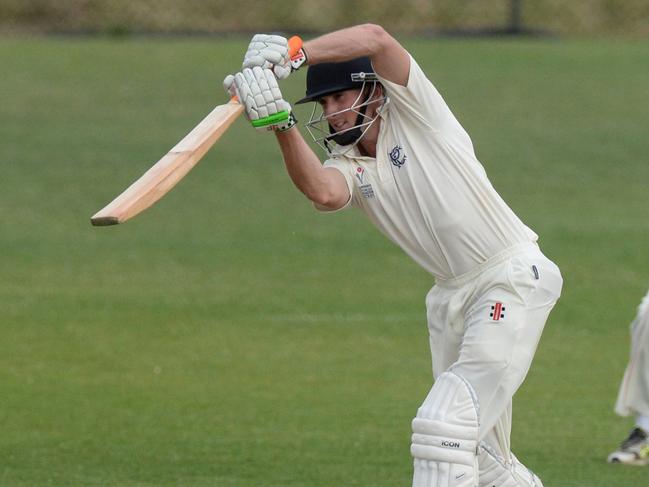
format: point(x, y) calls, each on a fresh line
point(169, 170)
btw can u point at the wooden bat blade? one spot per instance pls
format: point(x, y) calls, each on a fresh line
point(169, 170)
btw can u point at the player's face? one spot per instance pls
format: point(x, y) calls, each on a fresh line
point(336, 108)
point(347, 116)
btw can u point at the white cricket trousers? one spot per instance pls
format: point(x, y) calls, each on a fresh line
point(485, 327)
point(633, 397)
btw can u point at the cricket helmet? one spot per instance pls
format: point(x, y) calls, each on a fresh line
point(327, 78)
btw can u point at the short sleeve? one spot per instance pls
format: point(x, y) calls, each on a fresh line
point(419, 98)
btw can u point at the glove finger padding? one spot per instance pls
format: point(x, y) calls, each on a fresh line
point(282, 72)
point(256, 91)
point(266, 48)
point(274, 97)
point(267, 96)
point(228, 85)
point(260, 41)
point(269, 52)
point(263, 56)
point(245, 96)
point(259, 92)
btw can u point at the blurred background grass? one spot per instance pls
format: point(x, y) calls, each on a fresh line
point(231, 335)
point(575, 18)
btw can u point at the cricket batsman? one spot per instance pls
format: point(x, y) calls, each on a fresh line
point(633, 397)
point(396, 152)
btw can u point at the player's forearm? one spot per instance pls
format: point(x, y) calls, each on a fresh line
point(307, 173)
point(346, 44)
point(389, 59)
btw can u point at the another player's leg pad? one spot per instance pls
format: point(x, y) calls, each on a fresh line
point(445, 435)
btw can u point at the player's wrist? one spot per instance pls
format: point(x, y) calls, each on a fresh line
point(287, 124)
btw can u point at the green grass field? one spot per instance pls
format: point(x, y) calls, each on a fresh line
point(232, 336)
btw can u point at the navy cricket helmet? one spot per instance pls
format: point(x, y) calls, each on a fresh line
point(327, 78)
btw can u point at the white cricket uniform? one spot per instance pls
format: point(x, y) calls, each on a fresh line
point(633, 397)
point(428, 193)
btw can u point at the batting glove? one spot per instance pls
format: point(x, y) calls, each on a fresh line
point(274, 52)
point(258, 91)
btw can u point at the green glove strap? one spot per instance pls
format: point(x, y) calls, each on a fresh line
point(273, 119)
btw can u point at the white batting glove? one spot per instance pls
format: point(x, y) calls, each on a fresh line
point(258, 91)
point(228, 85)
point(272, 52)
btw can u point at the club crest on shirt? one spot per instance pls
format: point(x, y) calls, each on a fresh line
point(397, 156)
point(366, 188)
point(497, 311)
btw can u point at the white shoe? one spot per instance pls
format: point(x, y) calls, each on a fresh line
point(634, 450)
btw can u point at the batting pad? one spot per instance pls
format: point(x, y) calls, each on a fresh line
point(494, 471)
point(445, 435)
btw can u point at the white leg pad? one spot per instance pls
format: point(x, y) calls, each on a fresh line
point(445, 435)
point(524, 475)
point(496, 472)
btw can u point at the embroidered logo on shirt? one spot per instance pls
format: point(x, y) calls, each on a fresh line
point(497, 311)
point(397, 156)
point(365, 188)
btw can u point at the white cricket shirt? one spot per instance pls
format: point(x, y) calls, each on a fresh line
point(426, 190)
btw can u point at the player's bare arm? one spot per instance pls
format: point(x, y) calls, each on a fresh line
point(390, 60)
point(265, 107)
point(324, 186)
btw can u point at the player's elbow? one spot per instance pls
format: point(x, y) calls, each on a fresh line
point(326, 198)
point(377, 37)
point(321, 197)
